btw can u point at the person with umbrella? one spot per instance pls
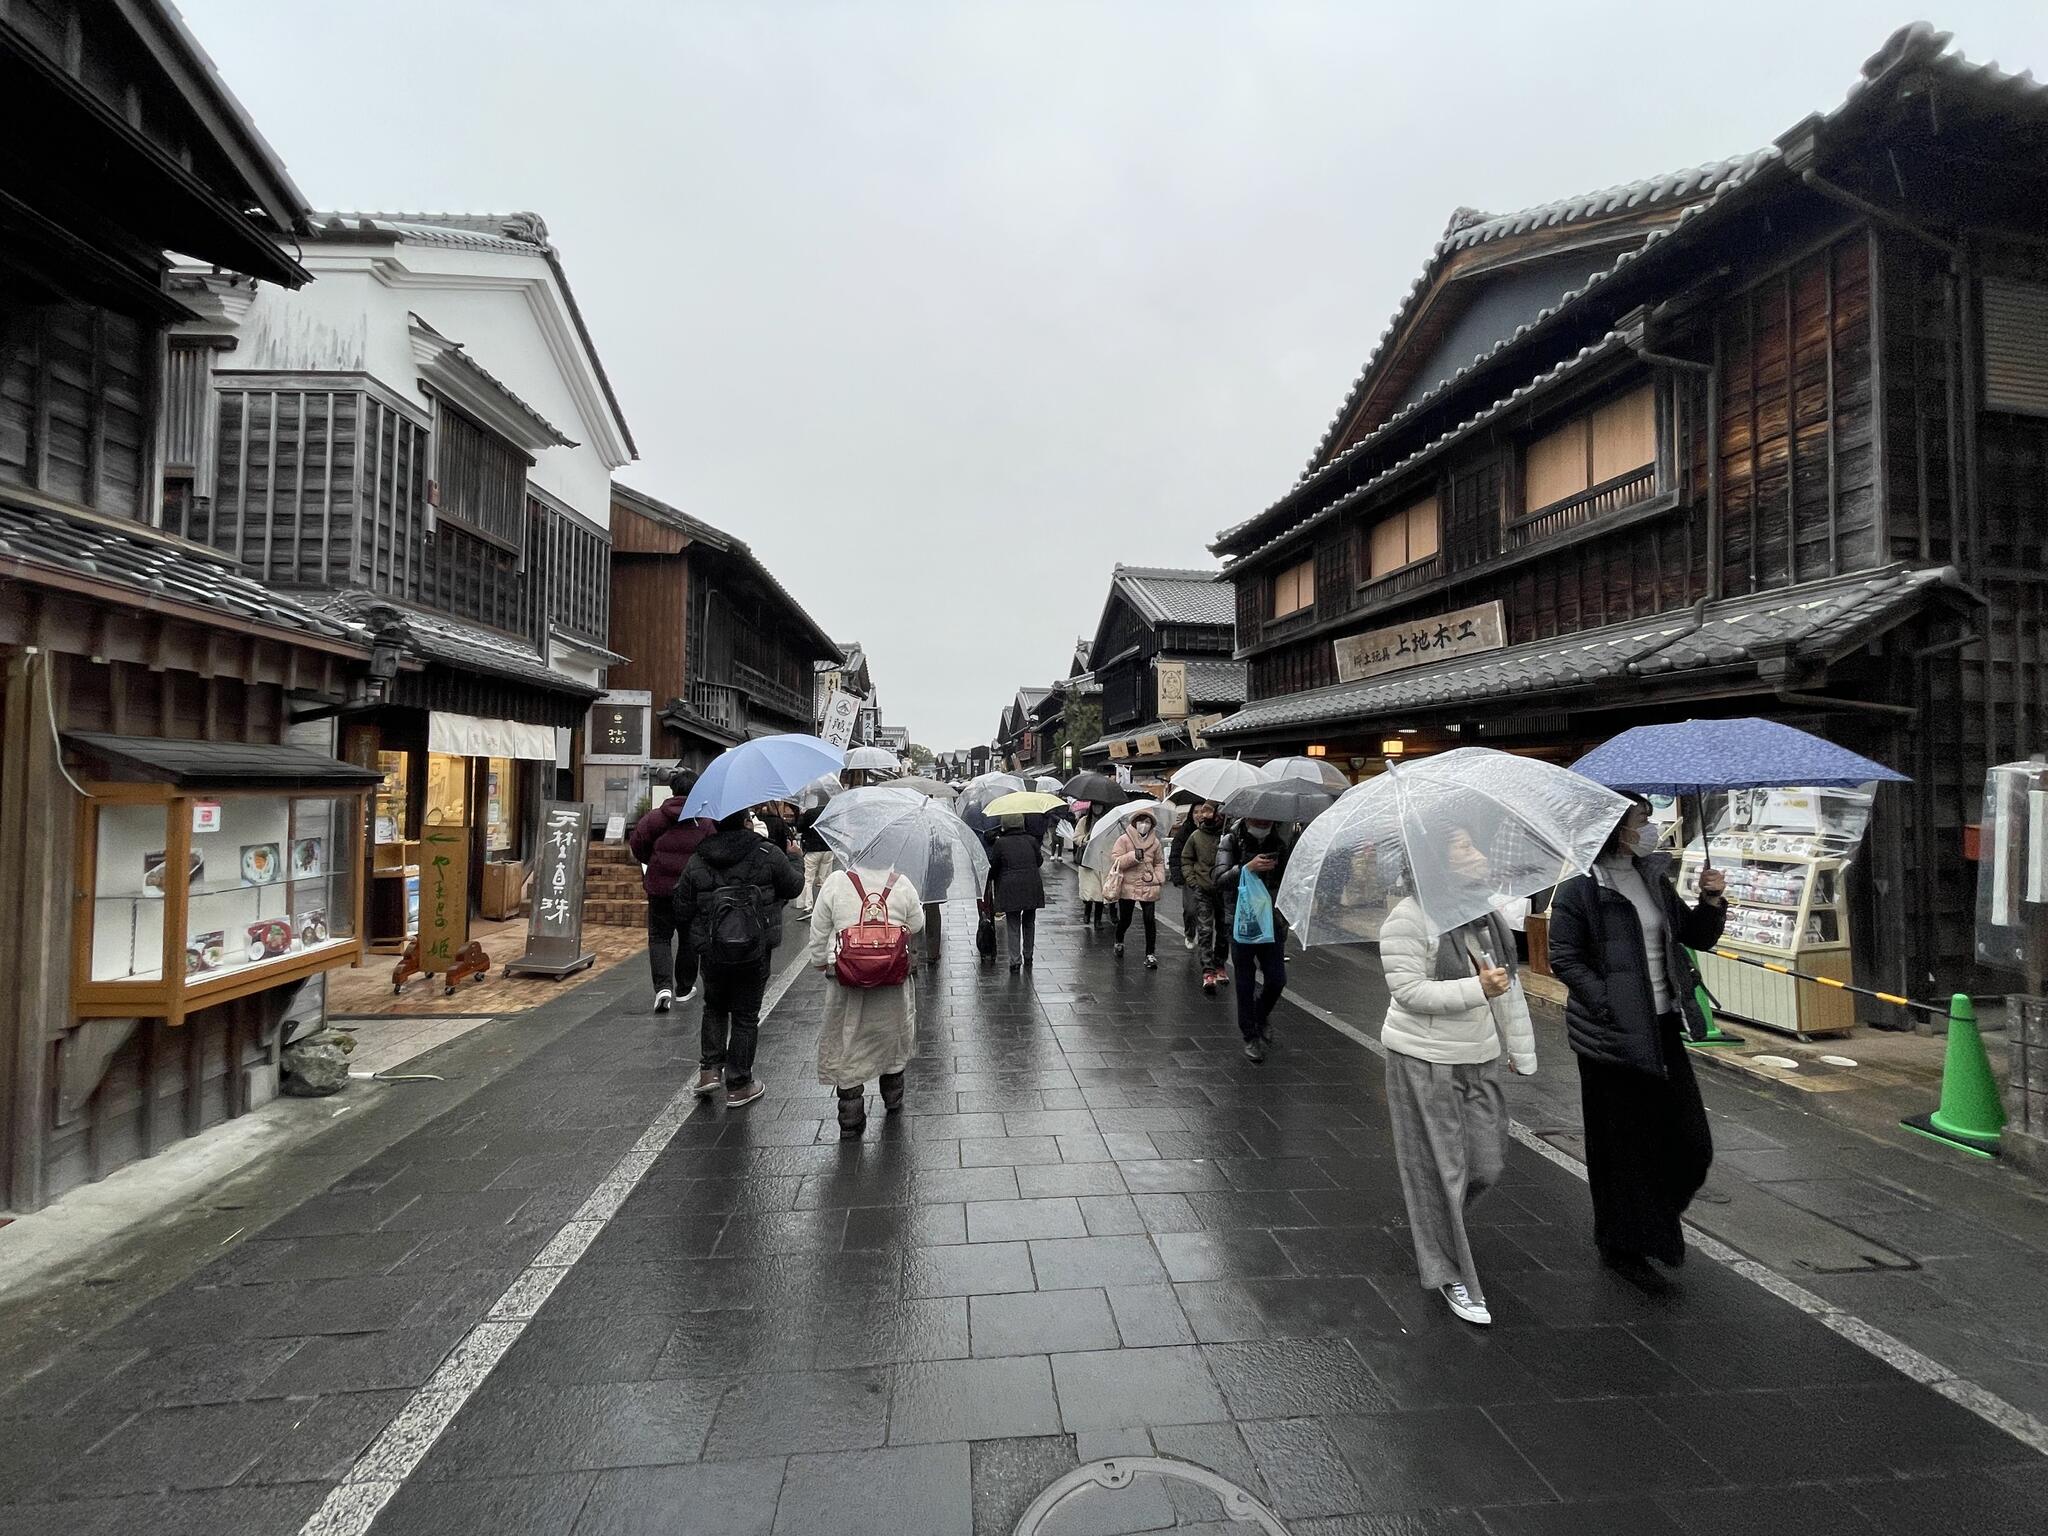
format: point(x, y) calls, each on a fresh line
point(1016, 884)
point(1092, 903)
point(868, 1032)
point(1254, 848)
point(663, 841)
point(1137, 874)
point(1618, 941)
point(1197, 865)
point(1455, 1008)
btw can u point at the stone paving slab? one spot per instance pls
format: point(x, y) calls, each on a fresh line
point(1095, 1230)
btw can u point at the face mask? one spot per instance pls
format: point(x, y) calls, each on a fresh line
point(1644, 842)
point(1258, 828)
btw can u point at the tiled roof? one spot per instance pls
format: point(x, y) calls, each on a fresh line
point(1819, 620)
point(1915, 47)
point(1163, 595)
point(516, 234)
point(1468, 229)
point(156, 566)
point(1218, 682)
point(438, 638)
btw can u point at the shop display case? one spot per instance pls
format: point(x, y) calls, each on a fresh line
point(1787, 905)
point(190, 897)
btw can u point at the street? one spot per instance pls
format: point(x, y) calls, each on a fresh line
point(580, 1300)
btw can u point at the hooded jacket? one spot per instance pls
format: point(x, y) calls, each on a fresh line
point(1137, 870)
point(735, 856)
point(1198, 856)
point(664, 841)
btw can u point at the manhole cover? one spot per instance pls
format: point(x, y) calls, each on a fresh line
point(1142, 1493)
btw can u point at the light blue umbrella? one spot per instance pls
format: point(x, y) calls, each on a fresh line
point(1696, 757)
point(771, 768)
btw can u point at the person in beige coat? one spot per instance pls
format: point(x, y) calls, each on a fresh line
point(1456, 1010)
point(868, 1032)
point(1137, 875)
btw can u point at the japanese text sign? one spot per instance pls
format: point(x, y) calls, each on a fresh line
point(1418, 642)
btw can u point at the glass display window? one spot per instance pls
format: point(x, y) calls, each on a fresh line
point(501, 805)
point(197, 898)
point(393, 797)
point(447, 790)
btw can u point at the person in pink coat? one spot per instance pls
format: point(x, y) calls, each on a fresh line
point(1137, 874)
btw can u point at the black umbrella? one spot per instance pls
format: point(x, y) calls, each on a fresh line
point(1286, 800)
point(1096, 789)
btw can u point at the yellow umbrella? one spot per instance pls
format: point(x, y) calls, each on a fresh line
point(1028, 803)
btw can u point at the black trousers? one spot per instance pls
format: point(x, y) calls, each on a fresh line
point(669, 955)
point(1256, 999)
point(1123, 923)
point(732, 1019)
point(1648, 1149)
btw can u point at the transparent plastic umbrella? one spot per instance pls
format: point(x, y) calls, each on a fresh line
point(1317, 770)
point(924, 786)
point(872, 760)
point(818, 791)
point(1214, 778)
point(910, 832)
point(978, 791)
point(1046, 784)
point(1109, 826)
point(1531, 822)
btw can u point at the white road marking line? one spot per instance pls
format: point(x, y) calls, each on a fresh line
point(1868, 1337)
point(377, 1475)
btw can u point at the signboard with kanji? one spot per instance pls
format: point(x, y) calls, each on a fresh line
point(1173, 689)
point(554, 932)
point(444, 894)
point(616, 730)
point(842, 713)
point(1149, 746)
point(1421, 641)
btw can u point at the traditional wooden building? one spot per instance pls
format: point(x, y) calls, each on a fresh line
point(1765, 437)
point(847, 671)
point(709, 632)
point(1020, 739)
point(1162, 657)
point(177, 858)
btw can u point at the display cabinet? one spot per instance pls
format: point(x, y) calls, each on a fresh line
point(1788, 906)
point(189, 897)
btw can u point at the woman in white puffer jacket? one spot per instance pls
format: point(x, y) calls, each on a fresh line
point(1456, 1009)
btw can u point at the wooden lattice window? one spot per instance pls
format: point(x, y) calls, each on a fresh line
point(481, 478)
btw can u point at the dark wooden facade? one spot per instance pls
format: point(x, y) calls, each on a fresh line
point(1814, 341)
point(725, 651)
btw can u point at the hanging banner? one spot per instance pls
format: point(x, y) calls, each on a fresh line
point(1173, 689)
point(444, 894)
point(1197, 724)
point(554, 933)
point(1120, 748)
point(1400, 646)
point(842, 713)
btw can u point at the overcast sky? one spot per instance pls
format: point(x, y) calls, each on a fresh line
point(946, 308)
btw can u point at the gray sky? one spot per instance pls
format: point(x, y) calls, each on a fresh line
point(948, 307)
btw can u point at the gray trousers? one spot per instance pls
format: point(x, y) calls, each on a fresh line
point(1450, 1141)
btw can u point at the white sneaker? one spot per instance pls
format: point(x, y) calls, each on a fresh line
point(664, 1000)
point(1188, 942)
point(688, 995)
point(1465, 1304)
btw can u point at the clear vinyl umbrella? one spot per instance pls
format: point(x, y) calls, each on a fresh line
point(814, 794)
point(923, 786)
point(1110, 825)
point(1214, 778)
point(977, 792)
point(910, 832)
point(1046, 784)
point(873, 760)
point(1398, 835)
point(1317, 770)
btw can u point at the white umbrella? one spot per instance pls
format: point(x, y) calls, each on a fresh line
point(1214, 778)
point(910, 832)
point(1406, 832)
point(1317, 770)
point(872, 760)
point(1110, 825)
point(1046, 784)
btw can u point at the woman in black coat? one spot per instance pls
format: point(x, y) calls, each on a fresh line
point(1018, 889)
point(1618, 941)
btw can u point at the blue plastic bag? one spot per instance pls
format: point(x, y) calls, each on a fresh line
point(1254, 924)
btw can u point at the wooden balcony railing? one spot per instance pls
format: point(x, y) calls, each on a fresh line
point(770, 690)
point(1586, 507)
point(718, 704)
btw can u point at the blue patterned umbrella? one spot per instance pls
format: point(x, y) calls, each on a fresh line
point(1701, 757)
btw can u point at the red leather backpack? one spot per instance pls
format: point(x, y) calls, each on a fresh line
point(875, 951)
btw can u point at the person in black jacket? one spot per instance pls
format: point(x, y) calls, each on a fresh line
point(730, 899)
point(1618, 941)
point(1018, 888)
point(1261, 847)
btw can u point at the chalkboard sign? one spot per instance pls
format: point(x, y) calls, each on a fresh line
point(554, 930)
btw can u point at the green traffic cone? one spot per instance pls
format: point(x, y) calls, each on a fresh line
point(1715, 1034)
point(1971, 1113)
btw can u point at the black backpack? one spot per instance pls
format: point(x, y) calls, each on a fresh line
point(738, 936)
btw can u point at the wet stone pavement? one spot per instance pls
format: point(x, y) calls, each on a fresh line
point(1096, 1231)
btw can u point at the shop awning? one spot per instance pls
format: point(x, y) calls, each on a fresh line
point(216, 764)
point(473, 736)
point(1770, 636)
